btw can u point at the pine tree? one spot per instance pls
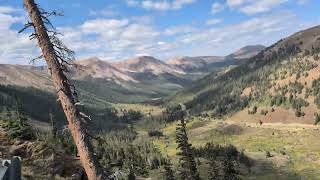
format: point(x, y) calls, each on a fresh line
point(8, 113)
point(188, 168)
point(20, 114)
point(131, 163)
point(214, 170)
point(229, 170)
point(168, 171)
point(131, 175)
point(53, 125)
point(135, 162)
point(19, 128)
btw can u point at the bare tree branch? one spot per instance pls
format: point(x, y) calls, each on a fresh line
point(26, 26)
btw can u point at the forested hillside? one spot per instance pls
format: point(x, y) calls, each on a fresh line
point(291, 60)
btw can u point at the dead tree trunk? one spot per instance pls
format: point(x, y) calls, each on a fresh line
point(65, 94)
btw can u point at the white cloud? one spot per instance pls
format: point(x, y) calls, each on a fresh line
point(118, 38)
point(161, 43)
point(302, 2)
point(7, 9)
point(254, 6)
point(221, 41)
point(175, 30)
point(108, 28)
point(109, 11)
point(132, 3)
point(14, 47)
point(102, 37)
point(177, 4)
point(137, 32)
point(160, 5)
point(142, 19)
point(216, 7)
point(261, 6)
point(214, 21)
point(235, 3)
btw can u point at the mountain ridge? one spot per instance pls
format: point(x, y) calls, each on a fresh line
point(96, 68)
point(139, 77)
point(146, 64)
point(247, 52)
point(281, 78)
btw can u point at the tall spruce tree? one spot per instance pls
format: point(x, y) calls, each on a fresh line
point(188, 168)
point(53, 125)
point(214, 169)
point(8, 113)
point(131, 175)
point(20, 114)
point(132, 163)
point(168, 171)
point(19, 128)
point(229, 170)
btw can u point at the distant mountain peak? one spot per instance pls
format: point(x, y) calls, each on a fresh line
point(247, 51)
point(146, 64)
point(89, 60)
point(97, 68)
point(184, 59)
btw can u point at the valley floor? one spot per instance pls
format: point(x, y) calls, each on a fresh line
point(294, 148)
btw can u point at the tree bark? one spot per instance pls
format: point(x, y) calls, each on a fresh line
point(64, 92)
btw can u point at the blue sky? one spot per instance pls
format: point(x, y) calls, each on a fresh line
point(117, 29)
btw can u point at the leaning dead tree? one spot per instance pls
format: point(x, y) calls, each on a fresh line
point(57, 57)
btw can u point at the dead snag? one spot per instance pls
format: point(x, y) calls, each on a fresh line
point(56, 56)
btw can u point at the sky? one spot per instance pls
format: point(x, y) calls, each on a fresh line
point(114, 30)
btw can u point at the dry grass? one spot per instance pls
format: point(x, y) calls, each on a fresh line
point(144, 108)
point(280, 115)
point(293, 146)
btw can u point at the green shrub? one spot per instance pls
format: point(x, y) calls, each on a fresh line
point(17, 130)
point(268, 154)
point(155, 133)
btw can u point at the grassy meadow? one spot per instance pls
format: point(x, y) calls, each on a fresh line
point(293, 147)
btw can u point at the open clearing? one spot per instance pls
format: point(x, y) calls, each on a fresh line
point(294, 147)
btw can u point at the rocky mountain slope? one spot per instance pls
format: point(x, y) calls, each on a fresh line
point(190, 64)
point(24, 76)
point(143, 64)
point(100, 83)
point(247, 52)
point(207, 64)
point(96, 68)
point(280, 83)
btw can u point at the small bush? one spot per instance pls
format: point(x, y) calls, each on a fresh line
point(268, 154)
point(253, 110)
point(264, 112)
point(299, 113)
point(19, 130)
point(155, 133)
point(244, 159)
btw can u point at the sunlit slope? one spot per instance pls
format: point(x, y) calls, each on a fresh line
point(287, 70)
